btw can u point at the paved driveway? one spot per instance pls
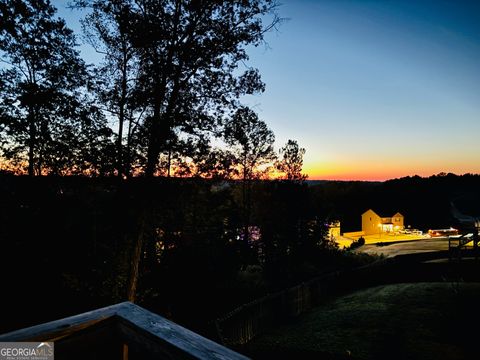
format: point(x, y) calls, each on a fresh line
point(406, 247)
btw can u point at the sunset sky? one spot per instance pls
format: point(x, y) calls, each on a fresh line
point(372, 89)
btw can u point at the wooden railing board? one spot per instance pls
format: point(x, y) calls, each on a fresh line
point(131, 324)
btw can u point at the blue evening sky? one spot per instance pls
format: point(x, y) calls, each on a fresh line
point(372, 89)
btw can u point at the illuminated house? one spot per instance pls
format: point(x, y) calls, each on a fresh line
point(372, 223)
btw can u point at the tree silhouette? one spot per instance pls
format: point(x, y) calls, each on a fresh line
point(189, 77)
point(47, 118)
point(106, 28)
point(251, 143)
point(189, 54)
point(291, 161)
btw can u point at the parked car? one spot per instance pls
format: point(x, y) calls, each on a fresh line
point(442, 232)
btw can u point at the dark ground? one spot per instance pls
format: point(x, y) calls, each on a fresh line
point(401, 321)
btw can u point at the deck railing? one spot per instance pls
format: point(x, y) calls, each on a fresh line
point(121, 331)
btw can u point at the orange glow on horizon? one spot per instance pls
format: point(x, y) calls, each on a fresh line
point(376, 172)
point(328, 171)
point(359, 176)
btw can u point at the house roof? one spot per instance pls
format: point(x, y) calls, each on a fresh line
point(396, 214)
point(369, 211)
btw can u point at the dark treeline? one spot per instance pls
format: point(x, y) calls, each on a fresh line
point(71, 236)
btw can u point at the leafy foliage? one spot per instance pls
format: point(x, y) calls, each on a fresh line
point(47, 118)
point(185, 58)
point(105, 28)
point(251, 142)
point(291, 161)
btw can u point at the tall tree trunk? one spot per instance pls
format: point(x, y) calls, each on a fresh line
point(246, 214)
point(128, 149)
point(169, 160)
point(121, 116)
point(153, 151)
point(140, 231)
point(40, 147)
point(136, 258)
point(120, 168)
point(31, 141)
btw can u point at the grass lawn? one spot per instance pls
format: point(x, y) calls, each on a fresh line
point(402, 321)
